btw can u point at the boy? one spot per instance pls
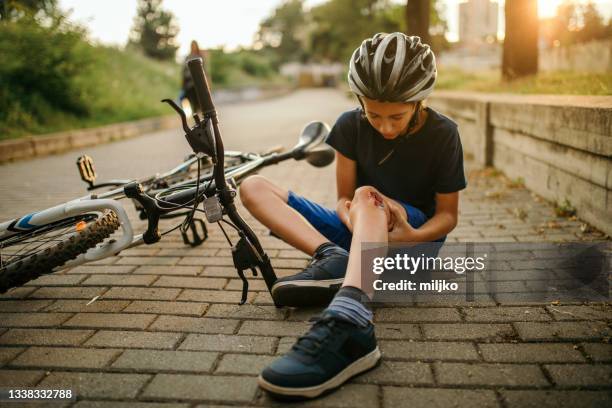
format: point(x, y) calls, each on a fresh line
point(399, 170)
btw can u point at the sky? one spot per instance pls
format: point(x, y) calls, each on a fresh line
point(229, 23)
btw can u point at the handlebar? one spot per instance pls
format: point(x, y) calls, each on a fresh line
point(196, 68)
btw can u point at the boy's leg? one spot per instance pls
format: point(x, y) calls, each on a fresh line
point(308, 227)
point(341, 343)
point(268, 203)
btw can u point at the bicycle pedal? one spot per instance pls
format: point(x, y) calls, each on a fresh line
point(87, 169)
point(197, 237)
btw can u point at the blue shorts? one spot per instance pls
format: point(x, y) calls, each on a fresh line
point(328, 223)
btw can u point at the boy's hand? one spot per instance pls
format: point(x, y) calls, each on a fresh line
point(342, 209)
point(402, 231)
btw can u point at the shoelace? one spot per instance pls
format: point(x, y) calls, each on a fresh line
point(311, 343)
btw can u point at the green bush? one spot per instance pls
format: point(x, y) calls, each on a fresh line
point(43, 68)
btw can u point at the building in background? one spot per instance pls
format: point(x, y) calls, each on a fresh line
point(478, 22)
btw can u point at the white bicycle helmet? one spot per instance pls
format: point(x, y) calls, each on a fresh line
point(393, 68)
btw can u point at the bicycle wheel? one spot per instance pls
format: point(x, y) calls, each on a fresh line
point(30, 254)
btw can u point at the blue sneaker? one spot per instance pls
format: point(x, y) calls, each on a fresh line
point(334, 350)
point(317, 284)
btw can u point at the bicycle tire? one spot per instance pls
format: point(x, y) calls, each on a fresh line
point(31, 267)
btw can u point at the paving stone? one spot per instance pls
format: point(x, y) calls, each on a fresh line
point(105, 269)
point(562, 331)
point(20, 378)
point(274, 328)
point(303, 314)
point(105, 261)
point(417, 314)
point(289, 263)
point(63, 357)
point(494, 375)
point(110, 320)
point(243, 363)
point(397, 331)
point(599, 352)
point(9, 353)
point(207, 261)
point(45, 337)
point(57, 280)
point(140, 260)
point(471, 331)
point(165, 270)
point(254, 284)
point(201, 387)
point(146, 251)
point(76, 306)
point(438, 398)
point(67, 293)
point(181, 252)
point(134, 339)
point(188, 282)
point(347, 396)
point(429, 351)
point(131, 404)
point(223, 272)
point(97, 385)
point(119, 280)
point(599, 312)
point(142, 293)
point(505, 314)
point(214, 296)
point(246, 311)
point(168, 308)
point(194, 325)
point(157, 360)
point(18, 293)
point(398, 373)
point(229, 343)
point(571, 375)
point(23, 305)
point(531, 353)
point(33, 319)
point(263, 298)
point(555, 399)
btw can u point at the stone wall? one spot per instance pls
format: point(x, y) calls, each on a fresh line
point(560, 145)
point(594, 56)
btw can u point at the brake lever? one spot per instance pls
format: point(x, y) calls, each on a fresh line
point(181, 113)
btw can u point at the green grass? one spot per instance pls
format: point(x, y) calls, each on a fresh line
point(129, 87)
point(561, 82)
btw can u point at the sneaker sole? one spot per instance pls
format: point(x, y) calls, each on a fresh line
point(357, 367)
point(302, 293)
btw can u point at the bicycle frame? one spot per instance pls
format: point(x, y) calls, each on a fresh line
point(218, 187)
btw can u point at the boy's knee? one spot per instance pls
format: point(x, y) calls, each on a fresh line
point(362, 194)
point(250, 187)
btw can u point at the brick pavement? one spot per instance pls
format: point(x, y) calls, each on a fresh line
point(166, 330)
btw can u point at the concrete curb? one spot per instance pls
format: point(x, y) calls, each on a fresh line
point(39, 146)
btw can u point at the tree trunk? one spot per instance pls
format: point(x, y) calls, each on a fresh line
point(520, 57)
point(417, 19)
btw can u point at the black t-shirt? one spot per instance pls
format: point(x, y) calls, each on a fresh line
point(424, 163)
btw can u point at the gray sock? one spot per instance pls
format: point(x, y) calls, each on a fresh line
point(348, 303)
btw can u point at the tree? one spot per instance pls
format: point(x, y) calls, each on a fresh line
point(284, 31)
point(14, 9)
point(155, 30)
point(520, 52)
point(593, 27)
point(418, 13)
point(339, 26)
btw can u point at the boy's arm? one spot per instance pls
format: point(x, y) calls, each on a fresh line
point(346, 182)
point(443, 221)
